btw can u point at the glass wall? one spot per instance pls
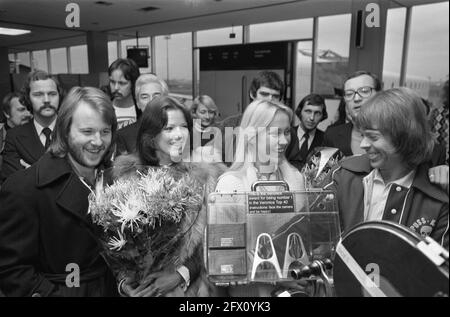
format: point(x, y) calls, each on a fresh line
point(333, 50)
point(303, 71)
point(39, 60)
point(219, 36)
point(280, 31)
point(79, 59)
point(58, 58)
point(112, 52)
point(393, 46)
point(24, 59)
point(132, 43)
point(174, 62)
point(427, 65)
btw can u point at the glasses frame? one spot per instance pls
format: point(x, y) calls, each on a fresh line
point(358, 91)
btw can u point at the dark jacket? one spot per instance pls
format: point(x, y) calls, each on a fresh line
point(340, 137)
point(126, 139)
point(22, 143)
point(421, 207)
point(44, 226)
point(293, 154)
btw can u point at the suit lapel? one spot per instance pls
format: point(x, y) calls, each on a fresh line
point(72, 195)
point(345, 135)
point(30, 142)
point(317, 141)
point(295, 148)
point(73, 199)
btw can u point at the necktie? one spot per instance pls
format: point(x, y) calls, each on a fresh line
point(47, 133)
point(304, 148)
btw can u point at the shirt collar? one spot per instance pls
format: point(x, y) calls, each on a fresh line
point(301, 133)
point(39, 127)
point(405, 181)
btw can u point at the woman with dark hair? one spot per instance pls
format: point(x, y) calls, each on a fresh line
point(163, 136)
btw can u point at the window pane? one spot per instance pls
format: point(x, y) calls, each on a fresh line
point(333, 50)
point(24, 58)
point(40, 60)
point(12, 63)
point(112, 52)
point(58, 57)
point(126, 44)
point(427, 64)
point(303, 71)
point(283, 30)
point(219, 36)
point(79, 59)
point(131, 43)
point(174, 62)
point(395, 31)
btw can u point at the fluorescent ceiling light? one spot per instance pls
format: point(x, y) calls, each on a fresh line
point(8, 31)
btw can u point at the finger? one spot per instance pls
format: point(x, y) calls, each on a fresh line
point(431, 176)
point(150, 278)
point(147, 292)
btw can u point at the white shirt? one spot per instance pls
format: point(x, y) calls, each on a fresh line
point(301, 134)
point(125, 116)
point(376, 193)
point(39, 129)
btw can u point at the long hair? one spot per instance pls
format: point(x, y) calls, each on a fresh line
point(258, 114)
point(399, 114)
point(99, 101)
point(130, 71)
point(153, 120)
point(35, 76)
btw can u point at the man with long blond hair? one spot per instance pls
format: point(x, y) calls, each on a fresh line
point(47, 241)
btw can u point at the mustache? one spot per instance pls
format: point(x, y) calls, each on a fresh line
point(47, 106)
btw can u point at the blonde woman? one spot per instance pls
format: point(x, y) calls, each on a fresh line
point(265, 127)
point(206, 146)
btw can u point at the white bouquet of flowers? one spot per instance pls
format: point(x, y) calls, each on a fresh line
point(144, 217)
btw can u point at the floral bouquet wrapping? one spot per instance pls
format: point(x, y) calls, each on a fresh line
point(144, 217)
point(320, 166)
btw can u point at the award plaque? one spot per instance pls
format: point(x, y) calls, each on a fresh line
point(261, 236)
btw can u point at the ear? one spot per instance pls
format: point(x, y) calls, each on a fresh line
point(7, 116)
point(252, 97)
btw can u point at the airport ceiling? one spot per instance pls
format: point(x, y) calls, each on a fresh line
point(121, 19)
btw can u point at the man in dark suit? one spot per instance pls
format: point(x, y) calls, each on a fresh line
point(358, 88)
point(25, 144)
point(48, 244)
point(311, 111)
point(148, 86)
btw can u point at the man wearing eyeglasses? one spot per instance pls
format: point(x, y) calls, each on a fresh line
point(148, 87)
point(358, 88)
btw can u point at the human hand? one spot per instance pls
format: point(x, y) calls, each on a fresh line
point(439, 175)
point(130, 287)
point(160, 283)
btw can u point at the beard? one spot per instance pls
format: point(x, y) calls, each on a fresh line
point(76, 152)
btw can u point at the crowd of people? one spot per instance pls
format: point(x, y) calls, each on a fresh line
point(55, 145)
